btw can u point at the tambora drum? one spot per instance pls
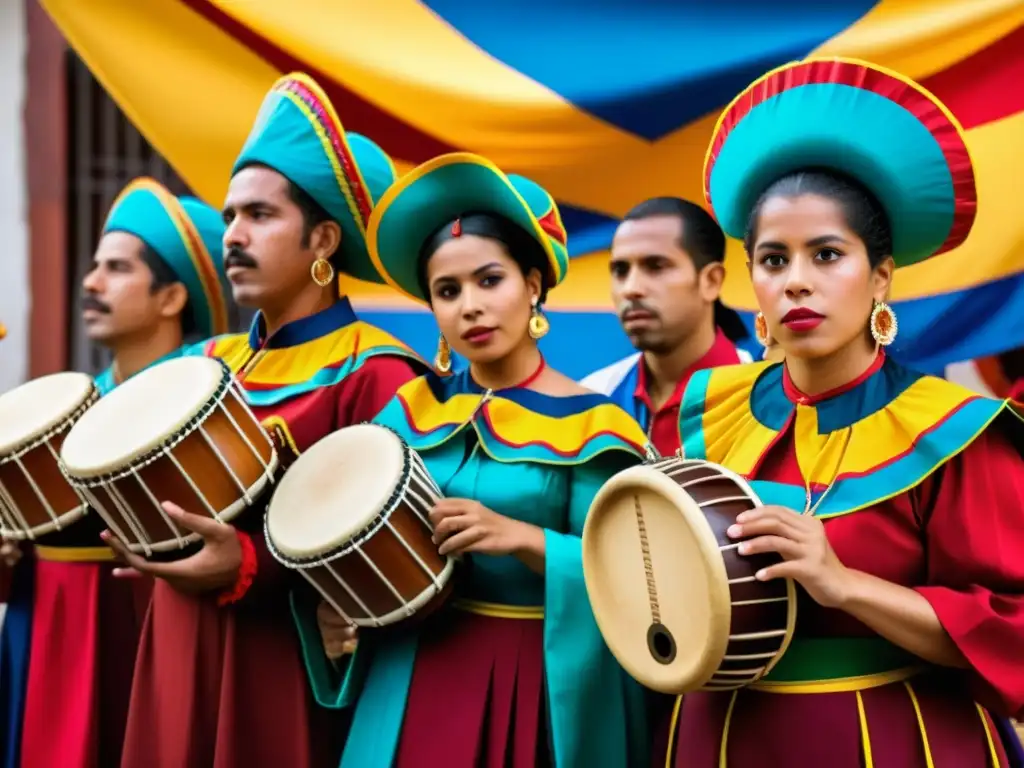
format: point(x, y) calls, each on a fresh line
point(677, 605)
point(180, 432)
point(351, 515)
point(35, 498)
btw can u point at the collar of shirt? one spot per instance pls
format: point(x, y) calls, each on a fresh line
point(722, 352)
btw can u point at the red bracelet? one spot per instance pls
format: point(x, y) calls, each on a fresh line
point(246, 572)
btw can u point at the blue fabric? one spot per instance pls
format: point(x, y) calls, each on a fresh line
point(649, 68)
point(285, 138)
point(15, 644)
point(141, 213)
point(305, 329)
point(849, 129)
point(597, 713)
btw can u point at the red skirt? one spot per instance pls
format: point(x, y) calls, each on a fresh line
point(477, 695)
point(224, 688)
point(922, 722)
point(85, 631)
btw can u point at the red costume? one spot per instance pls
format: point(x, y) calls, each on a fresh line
point(225, 686)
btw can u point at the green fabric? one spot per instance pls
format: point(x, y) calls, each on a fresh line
point(451, 186)
point(598, 714)
point(828, 658)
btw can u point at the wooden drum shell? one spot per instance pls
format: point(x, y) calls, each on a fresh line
point(38, 460)
point(732, 628)
point(390, 571)
point(211, 468)
point(762, 612)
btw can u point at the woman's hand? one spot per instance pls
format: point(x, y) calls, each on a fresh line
point(339, 637)
point(463, 525)
point(800, 539)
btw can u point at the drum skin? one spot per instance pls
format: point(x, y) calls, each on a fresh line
point(720, 628)
point(380, 567)
point(198, 458)
point(39, 461)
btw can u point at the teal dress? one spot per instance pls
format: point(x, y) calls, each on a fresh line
point(514, 650)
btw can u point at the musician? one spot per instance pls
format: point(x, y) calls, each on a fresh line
point(910, 627)
point(157, 277)
point(219, 680)
point(667, 271)
point(513, 672)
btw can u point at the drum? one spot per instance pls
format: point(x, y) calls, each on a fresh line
point(180, 432)
point(677, 605)
point(351, 515)
point(35, 418)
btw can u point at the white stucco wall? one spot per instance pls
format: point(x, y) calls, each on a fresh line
point(14, 287)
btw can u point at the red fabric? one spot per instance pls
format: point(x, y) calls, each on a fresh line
point(225, 687)
point(1017, 391)
point(960, 528)
point(664, 422)
point(246, 572)
point(85, 630)
point(495, 716)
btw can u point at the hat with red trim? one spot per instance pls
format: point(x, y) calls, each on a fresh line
point(437, 193)
point(855, 118)
point(298, 133)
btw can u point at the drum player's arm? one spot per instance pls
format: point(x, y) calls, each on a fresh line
point(969, 613)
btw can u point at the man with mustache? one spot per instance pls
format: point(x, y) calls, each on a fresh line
point(219, 680)
point(667, 272)
point(156, 278)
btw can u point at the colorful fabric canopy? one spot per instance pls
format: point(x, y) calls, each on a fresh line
point(603, 109)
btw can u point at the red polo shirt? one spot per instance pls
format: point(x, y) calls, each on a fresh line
point(663, 424)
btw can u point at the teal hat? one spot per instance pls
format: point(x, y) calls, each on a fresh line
point(188, 235)
point(298, 134)
point(858, 119)
point(445, 188)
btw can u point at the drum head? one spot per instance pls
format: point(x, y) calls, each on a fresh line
point(139, 415)
point(334, 490)
point(688, 573)
point(37, 406)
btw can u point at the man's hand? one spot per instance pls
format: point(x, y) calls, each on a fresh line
point(215, 567)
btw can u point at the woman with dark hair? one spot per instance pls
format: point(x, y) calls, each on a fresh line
point(892, 499)
point(513, 671)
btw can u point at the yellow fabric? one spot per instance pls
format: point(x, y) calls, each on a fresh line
point(195, 104)
point(75, 554)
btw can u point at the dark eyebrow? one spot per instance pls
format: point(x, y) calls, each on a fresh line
point(816, 242)
point(825, 240)
point(475, 273)
point(248, 205)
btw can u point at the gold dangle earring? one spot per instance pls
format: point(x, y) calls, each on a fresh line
point(539, 325)
point(443, 358)
point(761, 330)
point(322, 272)
point(883, 324)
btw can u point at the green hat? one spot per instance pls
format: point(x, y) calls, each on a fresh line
point(298, 134)
point(188, 235)
point(445, 188)
point(858, 119)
